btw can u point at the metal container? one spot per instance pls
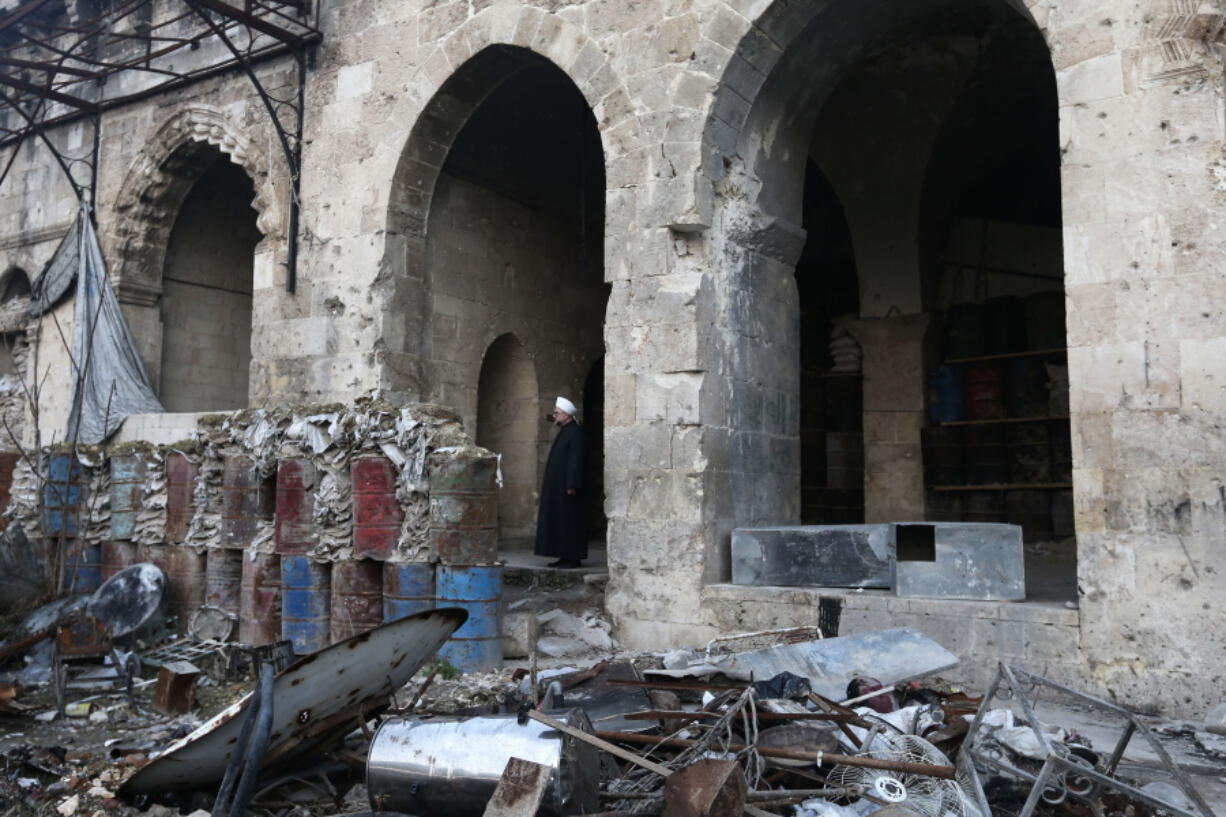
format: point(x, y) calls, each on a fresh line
point(464, 508)
point(180, 496)
point(63, 496)
point(82, 567)
point(259, 602)
point(407, 589)
point(449, 766)
point(127, 488)
point(116, 556)
point(357, 598)
point(306, 589)
point(184, 569)
point(377, 514)
point(295, 481)
point(477, 589)
point(223, 579)
point(246, 500)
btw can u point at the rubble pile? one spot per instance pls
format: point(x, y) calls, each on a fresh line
point(771, 724)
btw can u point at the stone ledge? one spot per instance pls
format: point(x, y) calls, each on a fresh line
point(883, 601)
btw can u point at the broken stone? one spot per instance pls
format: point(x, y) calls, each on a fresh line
point(69, 807)
point(99, 716)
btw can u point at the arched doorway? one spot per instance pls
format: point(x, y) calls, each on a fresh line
point(929, 129)
point(510, 169)
point(508, 425)
point(207, 293)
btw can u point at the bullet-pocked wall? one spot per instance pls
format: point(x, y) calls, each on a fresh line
point(513, 245)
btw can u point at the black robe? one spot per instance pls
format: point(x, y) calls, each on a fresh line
point(559, 524)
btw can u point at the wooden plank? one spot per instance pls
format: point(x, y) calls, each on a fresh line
point(520, 789)
point(601, 744)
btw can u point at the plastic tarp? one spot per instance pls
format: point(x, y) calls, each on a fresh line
point(109, 377)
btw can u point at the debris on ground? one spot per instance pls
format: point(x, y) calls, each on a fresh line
point(773, 724)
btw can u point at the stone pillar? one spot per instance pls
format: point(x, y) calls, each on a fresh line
point(893, 416)
point(1145, 257)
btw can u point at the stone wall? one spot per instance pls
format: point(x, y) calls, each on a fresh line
point(700, 331)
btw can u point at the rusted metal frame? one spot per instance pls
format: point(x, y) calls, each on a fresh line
point(830, 707)
point(40, 129)
point(17, 62)
point(251, 21)
point(1010, 675)
point(20, 13)
point(291, 149)
point(271, 52)
point(38, 92)
point(682, 685)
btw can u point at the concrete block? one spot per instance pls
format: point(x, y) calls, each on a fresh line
point(957, 560)
point(814, 556)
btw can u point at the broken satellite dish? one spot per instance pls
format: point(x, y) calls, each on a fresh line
point(127, 600)
point(314, 698)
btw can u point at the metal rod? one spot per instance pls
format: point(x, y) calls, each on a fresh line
point(944, 772)
point(1121, 747)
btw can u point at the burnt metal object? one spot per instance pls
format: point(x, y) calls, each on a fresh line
point(83, 637)
point(450, 766)
point(706, 788)
point(1065, 774)
point(129, 599)
point(62, 66)
point(318, 698)
point(176, 688)
point(520, 789)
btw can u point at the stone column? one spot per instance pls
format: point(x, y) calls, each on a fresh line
point(893, 415)
point(1144, 200)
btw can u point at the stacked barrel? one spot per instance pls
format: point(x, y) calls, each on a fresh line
point(288, 591)
point(464, 535)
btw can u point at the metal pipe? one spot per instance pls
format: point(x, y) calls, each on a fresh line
point(255, 752)
point(944, 772)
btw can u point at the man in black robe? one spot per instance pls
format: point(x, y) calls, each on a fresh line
point(559, 523)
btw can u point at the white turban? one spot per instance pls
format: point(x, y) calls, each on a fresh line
point(566, 406)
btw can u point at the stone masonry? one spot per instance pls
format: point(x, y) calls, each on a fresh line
point(704, 113)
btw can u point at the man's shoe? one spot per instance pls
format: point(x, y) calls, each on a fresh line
point(570, 564)
point(558, 563)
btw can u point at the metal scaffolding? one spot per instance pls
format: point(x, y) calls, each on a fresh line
point(70, 61)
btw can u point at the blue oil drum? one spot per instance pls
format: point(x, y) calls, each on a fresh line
point(946, 395)
point(83, 567)
point(306, 590)
point(477, 646)
point(127, 489)
point(62, 496)
point(407, 589)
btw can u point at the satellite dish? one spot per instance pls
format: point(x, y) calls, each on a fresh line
point(127, 600)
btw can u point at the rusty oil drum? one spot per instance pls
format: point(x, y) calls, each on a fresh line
point(180, 496)
point(306, 590)
point(223, 578)
point(408, 588)
point(127, 491)
point(246, 500)
point(477, 589)
point(295, 533)
point(357, 598)
point(464, 508)
point(377, 514)
point(259, 619)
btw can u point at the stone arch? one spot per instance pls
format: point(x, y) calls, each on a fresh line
point(757, 54)
point(464, 69)
point(468, 67)
point(508, 424)
point(158, 181)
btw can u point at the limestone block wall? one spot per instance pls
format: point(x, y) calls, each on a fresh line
point(700, 327)
point(1141, 129)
